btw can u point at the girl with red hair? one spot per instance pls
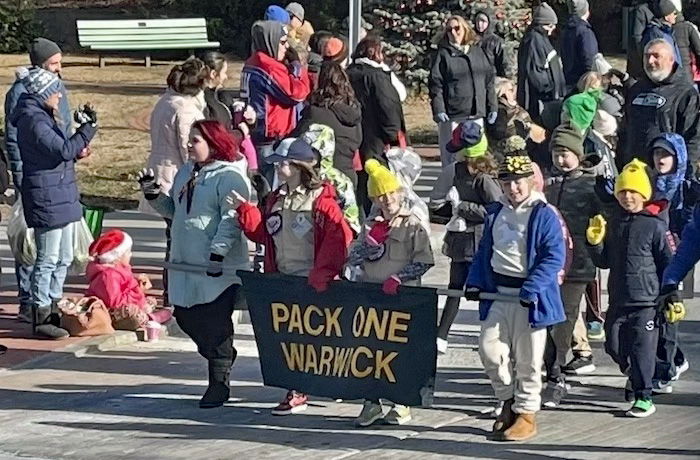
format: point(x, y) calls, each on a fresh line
point(205, 232)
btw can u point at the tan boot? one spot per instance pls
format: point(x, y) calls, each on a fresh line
point(525, 427)
point(505, 419)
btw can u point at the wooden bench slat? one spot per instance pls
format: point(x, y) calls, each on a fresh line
point(150, 38)
point(134, 23)
point(152, 46)
point(140, 32)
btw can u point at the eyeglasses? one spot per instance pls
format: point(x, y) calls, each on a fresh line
point(455, 28)
point(283, 42)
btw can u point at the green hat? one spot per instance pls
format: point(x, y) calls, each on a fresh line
point(569, 138)
point(581, 108)
point(477, 150)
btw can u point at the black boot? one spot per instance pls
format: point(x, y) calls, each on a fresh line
point(45, 322)
point(218, 390)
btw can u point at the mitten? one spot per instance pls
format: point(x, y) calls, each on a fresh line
point(148, 183)
point(391, 286)
point(378, 234)
point(595, 233)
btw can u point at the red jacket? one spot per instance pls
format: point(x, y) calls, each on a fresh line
point(332, 234)
point(115, 285)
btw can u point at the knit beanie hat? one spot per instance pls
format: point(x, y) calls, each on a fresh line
point(277, 13)
point(381, 180)
point(678, 4)
point(477, 150)
point(578, 7)
point(605, 123)
point(41, 50)
point(335, 49)
point(515, 167)
point(295, 9)
point(666, 7)
point(634, 177)
point(39, 82)
point(581, 109)
point(110, 247)
point(515, 145)
point(565, 136)
point(467, 134)
point(543, 15)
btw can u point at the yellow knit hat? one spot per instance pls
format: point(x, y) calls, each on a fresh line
point(381, 180)
point(634, 177)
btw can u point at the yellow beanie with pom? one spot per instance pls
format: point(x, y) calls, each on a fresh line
point(381, 180)
point(634, 177)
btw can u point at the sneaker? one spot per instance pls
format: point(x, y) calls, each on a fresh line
point(641, 408)
point(579, 365)
point(371, 412)
point(554, 393)
point(595, 331)
point(680, 369)
point(661, 387)
point(441, 346)
point(293, 404)
point(629, 392)
point(398, 415)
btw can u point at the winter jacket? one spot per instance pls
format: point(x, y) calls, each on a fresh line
point(672, 106)
point(672, 187)
point(688, 253)
point(462, 85)
point(332, 235)
point(49, 189)
point(688, 41)
point(209, 228)
point(346, 122)
point(64, 121)
point(578, 46)
point(382, 113)
point(115, 285)
point(493, 46)
point(599, 156)
point(637, 248)
point(216, 109)
point(658, 29)
point(540, 74)
point(546, 257)
point(274, 91)
point(573, 194)
point(643, 15)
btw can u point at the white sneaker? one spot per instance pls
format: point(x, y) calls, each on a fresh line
point(680, 369)
point(441, 346)
point(661, 387)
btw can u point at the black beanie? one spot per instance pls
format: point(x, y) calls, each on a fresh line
point(41, 49)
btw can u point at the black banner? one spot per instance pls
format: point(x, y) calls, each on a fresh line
point(350, 342)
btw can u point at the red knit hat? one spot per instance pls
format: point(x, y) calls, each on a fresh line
point(335, 50)
point(110, 246)
point(224, 145)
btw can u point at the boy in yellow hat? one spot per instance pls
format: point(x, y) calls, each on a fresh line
point(394, 250)
point(636, 247)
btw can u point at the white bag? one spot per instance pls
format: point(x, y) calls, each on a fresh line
point(20, 237)
point(82, 239)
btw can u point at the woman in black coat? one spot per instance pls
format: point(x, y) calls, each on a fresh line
point(461, 83)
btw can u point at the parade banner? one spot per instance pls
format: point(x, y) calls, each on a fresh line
point(350, 342)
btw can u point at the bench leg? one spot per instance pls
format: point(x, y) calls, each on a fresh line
point(148, 60)
point(102, 62)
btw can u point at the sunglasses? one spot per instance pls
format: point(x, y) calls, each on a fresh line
point(455, 28)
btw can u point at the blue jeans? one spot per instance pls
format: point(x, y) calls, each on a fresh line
point(24, 283)
point(54, 254)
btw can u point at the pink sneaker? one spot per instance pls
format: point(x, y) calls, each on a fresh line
point(293, 404)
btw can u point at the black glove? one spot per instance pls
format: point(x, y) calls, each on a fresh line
point(472, 293)
point(85, 115)
point(148, 183)
point(261, 187)
point(216, 263)
point(291, 55)
point(525, 303)
point(619, 74)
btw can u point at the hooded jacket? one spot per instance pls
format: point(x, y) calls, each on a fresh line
point(462, 85)
point(493, 46)
point(546, 259)
point(49, 189)
point(115, 285)
point(671, 106)
point(688, 253)
point(540, 74)
point(578, 46)
point(658, 29)
point(637, 249)
point(671, 187)
point(688, 41)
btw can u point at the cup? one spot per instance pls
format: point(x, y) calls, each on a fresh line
point(152, 331)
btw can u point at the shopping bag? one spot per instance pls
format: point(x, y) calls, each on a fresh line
point(93, 218)
point(82, 239)
point(85, 317)
point(20, 237)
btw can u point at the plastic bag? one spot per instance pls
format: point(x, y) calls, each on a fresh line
point(82, 239)
point(20, 237)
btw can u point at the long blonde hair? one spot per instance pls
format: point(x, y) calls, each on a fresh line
point(470, 36)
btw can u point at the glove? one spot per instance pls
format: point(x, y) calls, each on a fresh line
point(596, 230)
point(85, 115)
point(378, 233)
point(525, 303)
point(391, 286)
point(441, 118)
point(148, 183)
point(318, 285)
point(492, 118)
point(216, 263)
point(674, 310)
point(472, 293)
point(261, 186)
point(623, 76)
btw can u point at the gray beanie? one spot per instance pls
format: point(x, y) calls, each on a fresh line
point(544, 15)
point(666, 7)
point(579, 7)
point(41, 49)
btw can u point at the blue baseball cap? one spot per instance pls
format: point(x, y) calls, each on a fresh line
point(293, 149)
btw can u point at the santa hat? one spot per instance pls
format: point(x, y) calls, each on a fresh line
point(110, 246)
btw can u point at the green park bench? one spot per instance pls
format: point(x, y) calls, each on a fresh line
point(144, 35)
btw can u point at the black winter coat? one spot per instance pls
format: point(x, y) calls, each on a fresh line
point(494, 47)
point(688, 41)
point(637, 249)
point(672, 106)
point(216, 109)
point(540, 74)
point(462, 85)
point(642, 18)
point(382, 113)
point(578, 46)
point(346, 122)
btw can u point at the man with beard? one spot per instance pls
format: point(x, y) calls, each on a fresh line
point(663, 101)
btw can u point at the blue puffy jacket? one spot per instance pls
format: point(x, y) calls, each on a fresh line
point(49, 190)
point(546, 257)
point(672, 187)
point(687, 254)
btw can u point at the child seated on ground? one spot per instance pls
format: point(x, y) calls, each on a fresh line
point(636, 247)
point(111, 280)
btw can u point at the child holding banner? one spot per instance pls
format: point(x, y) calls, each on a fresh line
point(394, 251)
point(520, 259)
point(302, 228)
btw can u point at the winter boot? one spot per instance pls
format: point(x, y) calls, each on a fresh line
point(525, 427)
point(44, 320)
point(505, 419)
point(218, 390)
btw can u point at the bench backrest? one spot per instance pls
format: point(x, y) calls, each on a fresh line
point(141, 30)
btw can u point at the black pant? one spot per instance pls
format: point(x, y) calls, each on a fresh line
point(458, 277)
point(668, 352)
point(631, 337)
point(210, 326)
point(363, 200)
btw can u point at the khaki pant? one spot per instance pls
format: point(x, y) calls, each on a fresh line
point(581, 347)
point(513, 353)
point(561, 334)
